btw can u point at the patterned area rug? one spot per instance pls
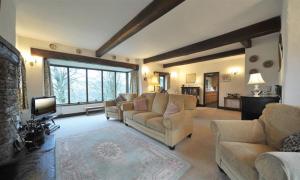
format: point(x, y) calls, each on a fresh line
point(116, 152)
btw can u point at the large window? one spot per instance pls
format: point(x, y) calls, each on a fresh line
point(59, 78)
point(94, 85)
point(77, 85)
point(109, 85)
point(82, 85)
point(121, 82)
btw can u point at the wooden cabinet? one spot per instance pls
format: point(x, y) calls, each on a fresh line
point(252, 107)
point(195, 91)
point(232, 103)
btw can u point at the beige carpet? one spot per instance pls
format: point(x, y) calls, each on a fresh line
point(198, 151)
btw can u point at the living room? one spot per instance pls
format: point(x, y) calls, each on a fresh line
point(149, 89)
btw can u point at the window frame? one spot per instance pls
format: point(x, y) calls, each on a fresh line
point(86, 70)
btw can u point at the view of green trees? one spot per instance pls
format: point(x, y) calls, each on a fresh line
point(82, 91)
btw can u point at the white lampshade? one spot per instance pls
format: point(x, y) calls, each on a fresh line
point(256, 79)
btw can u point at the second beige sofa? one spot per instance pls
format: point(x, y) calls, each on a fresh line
point(169, 130)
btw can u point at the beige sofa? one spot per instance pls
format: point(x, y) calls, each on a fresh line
point(113, 109)
point(248, 150)
point(169, 130)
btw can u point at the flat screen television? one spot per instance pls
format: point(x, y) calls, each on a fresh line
point(43, 106)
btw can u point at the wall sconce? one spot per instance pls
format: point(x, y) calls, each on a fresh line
point(234, 71)
point(174, 74)
point(31, 60)
point(145, 71)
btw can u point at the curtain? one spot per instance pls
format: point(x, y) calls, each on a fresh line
point(47, 79)
point(134, 82)
point(22, 90)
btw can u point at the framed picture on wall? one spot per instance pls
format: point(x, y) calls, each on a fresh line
point(191, 78)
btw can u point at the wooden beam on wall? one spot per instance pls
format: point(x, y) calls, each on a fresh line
point(256, 30)
point(247, 43)
point(207, 58)
point(82, 59)
point(152, 12)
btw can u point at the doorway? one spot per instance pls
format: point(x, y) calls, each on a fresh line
point(211, 89)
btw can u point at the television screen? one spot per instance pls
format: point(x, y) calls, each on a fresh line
point(43, 105)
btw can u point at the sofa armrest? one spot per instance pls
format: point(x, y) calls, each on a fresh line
point(238, 131)
point(127, 106)
point(278, 165)
point(110, 103)
point(174, 121)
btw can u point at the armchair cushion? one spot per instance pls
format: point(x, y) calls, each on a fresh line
point(280, 121)
point(238, 131)
point(109, 103)
point(241, 157)
point(278, 165)
point(112, 109)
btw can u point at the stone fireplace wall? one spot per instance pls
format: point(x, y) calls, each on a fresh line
point(9, 108)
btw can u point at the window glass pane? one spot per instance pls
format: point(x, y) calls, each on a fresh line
point(162, 82)
point(77, 85)
point(129, 82)
point(59, 78)
point(94, 86)
point(108, 85)
point(121, 82)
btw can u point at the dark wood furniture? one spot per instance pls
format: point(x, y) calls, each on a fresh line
point(252, 107)
point(232, 103)
point(195, 91)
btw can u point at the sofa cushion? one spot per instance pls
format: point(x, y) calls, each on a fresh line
point(129, 114)
point(150, 98)
point(291, 143)
point(280, 121)
point(112, 109)
point(240, 157)
point(143, 117)
point(156, 124)
point(171, 109)
point(160, 103)
point(178, 100)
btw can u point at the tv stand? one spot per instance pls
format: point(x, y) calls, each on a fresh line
point(49, 128)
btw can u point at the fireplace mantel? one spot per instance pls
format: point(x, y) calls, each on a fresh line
point(8, 51)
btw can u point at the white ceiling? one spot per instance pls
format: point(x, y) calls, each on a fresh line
point(90, 23)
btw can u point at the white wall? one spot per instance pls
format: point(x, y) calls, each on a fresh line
point(266, 48)
point(8, 21)
point(223, 66)
point(149, 69)
point(35, 74)
point(291, 51)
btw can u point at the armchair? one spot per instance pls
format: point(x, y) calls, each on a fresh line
point(113, 108)
point(250, 149)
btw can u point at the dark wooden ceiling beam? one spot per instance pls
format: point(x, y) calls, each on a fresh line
point(247, 43)
point(259, 29)
point(207, 58)
point(153, 11)
point(80, 58)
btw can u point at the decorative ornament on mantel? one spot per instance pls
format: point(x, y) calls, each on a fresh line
point(78, 51)
point(253, 58)
point(53, 46)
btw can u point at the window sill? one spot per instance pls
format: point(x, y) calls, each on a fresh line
point(76, 104)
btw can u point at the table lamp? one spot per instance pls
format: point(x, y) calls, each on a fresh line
point(256, 79)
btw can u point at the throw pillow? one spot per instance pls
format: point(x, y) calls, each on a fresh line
point(291, 143)
point(120, 98)
point(171, 109)
point(140, 104)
